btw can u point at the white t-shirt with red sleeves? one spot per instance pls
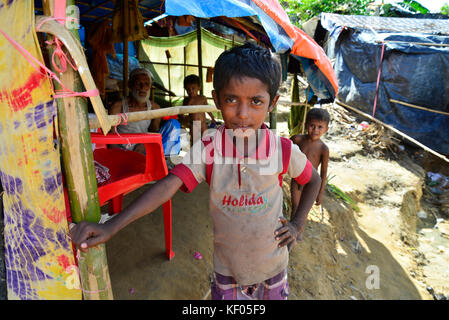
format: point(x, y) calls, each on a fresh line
point(245, 199)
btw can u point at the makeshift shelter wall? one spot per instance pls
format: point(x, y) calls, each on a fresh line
point(410, 73)
point(183, 50)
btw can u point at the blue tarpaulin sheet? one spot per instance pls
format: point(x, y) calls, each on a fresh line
point(232, 8)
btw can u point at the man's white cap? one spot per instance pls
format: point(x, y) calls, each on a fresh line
point(138, 71)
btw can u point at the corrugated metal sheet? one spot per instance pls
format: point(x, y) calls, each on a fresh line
point(387, 24)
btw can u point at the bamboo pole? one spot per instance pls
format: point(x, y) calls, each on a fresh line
point(184, 64)
point(200, 55)
point(77, 158)
point(286, 102)
point(295, 116)
point(175, 64)
point(393, 129)
point(416, 43)
point(125, 18)
point(273, 118)
point(418, 107)
point(167, 54)
point(152, 114)
point(305, 109)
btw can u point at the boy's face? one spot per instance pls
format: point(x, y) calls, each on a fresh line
point(244, 103)
point(316, 128)
point(192, 89)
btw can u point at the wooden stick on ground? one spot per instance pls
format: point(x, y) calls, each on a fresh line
point(394, 130)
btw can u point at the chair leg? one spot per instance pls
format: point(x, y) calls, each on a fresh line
point(166, 207)
point(116, 205)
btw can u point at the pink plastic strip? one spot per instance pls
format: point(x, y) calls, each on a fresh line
point(60, 7)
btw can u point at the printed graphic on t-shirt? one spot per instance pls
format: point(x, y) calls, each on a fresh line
point(250, 202)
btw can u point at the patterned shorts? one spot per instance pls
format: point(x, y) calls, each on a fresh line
point(226, 288)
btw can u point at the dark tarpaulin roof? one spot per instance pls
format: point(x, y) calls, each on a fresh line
point(95, 10)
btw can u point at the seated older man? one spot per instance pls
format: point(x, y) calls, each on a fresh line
point(139, 100)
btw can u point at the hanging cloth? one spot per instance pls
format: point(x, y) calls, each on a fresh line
point(135, 29)
point(100, 39)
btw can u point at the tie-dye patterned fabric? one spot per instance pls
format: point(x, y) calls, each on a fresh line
point(38, 252)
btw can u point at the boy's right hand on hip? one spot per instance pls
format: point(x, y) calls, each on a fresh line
point(86, 234)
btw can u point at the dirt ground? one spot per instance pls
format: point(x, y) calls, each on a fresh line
point(386, 250)
point(383, 251)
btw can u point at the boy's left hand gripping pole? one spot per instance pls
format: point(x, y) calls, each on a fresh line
point(79, 172)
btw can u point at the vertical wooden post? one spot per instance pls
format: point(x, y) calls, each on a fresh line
point(125, 18)
point(295, 119)
point(167, 54)
point(185, 65)
point(273, 118)
point(305, 109)
point(79, 173)
point(200, 56)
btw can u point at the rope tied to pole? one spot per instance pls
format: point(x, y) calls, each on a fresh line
point(124, 117)
point(43, 70)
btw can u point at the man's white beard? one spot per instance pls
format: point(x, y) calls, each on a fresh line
point(139, 99)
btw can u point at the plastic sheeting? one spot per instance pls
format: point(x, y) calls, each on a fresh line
point(410, 73)
point(116, 65)
point(183, 49)
point(171, 137)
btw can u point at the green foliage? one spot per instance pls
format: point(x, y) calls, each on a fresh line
point(445, 9)
point(411, 6)
point(415, 6)
point(339, 194)
point(300, 11)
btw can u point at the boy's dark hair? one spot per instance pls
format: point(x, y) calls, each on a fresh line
point(318, 114)
point(192, 79)
point(248, 60)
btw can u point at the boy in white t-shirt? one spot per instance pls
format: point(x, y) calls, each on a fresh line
point(243, 162)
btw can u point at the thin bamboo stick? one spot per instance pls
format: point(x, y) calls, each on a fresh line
point(416, 43)
point(286, 102)
point(418, 107)
point(152, 114)
point(306, 107)
point(125, 21)
point(167, 54)
point(175, 64)
point(200, 55)
point(393, 129)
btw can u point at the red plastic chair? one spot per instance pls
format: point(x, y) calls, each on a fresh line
point(130, 170)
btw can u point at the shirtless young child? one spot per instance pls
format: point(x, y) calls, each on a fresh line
point(317, 121)
point(192, 86)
